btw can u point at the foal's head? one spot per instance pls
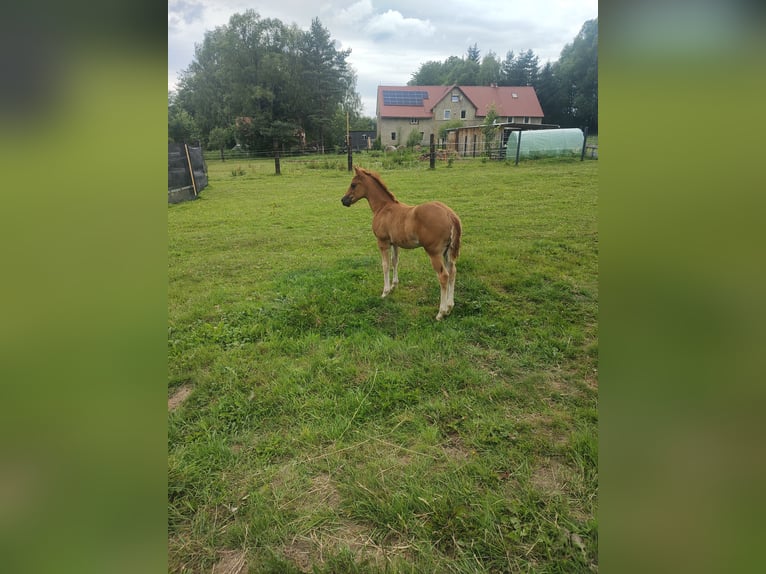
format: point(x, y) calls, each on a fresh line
point(357, 190)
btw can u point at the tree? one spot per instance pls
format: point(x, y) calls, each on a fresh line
point(464, 72)
point(181, 125)
point(520, 70)
point(268, 80)
point(201, 84)
point(326, 73)
point(528, 66)
point(469, 71)
point(362, 123)
point(488, 129)
point(490, 70)
point(220, 138)
point(578, 71)
point(509, 71)
point(429, 74)
point(548, 88)
point(473, 54)
point(415, 138)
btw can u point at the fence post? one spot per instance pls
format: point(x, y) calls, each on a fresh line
point(276, 158)
point(191, 169)
point(432, 159)
point(518, 148)
point(584, 141)
point(350, 155)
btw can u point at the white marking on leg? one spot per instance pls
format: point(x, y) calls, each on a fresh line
point(444, 287)
point(451, 287)
point(386, 284)
point(438, 264)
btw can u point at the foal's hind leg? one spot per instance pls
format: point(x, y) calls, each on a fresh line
point(451, 286)
point(437, 262)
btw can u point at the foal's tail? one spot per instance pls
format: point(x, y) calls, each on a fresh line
point(455, 233)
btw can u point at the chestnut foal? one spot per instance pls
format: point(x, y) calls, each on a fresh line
point(432, 226)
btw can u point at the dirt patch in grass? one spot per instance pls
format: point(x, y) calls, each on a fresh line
point(231, 562)
point(454, 449)
point(551, 477)
point(328, 531)
point(591, 380)
point(542, 426)
point(299, 551)
point(178, 397)
point(323, 491)
point(319, 544)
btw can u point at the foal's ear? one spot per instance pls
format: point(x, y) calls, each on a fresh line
point(357, 170)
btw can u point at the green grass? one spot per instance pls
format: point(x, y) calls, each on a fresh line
point(329, 430)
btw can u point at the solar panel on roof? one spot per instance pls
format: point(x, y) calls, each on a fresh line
point(404, 98)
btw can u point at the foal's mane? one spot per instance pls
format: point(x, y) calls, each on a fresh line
point(376, 177)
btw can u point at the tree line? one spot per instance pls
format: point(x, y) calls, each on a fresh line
point(567, 89)
point(264, 84)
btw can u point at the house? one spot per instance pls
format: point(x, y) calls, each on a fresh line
point(426, 109)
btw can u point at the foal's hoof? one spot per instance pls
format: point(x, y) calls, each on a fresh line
point(441, 314)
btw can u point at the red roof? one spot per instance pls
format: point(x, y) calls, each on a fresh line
point(435, 94)
point(524, 104)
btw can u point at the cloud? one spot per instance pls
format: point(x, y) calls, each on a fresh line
point(355, 13)
point(392, 24)
point(181, 13)
point(361, 17)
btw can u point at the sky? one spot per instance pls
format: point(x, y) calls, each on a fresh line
point(390, 39)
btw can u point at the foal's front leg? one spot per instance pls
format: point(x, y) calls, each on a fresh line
point(395, 264)
point(386, 260)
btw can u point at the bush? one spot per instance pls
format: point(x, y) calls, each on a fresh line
point(415, 138)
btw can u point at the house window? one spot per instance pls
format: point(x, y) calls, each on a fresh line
point(455, 98)
point(462, 114)
point(414, 121)
point(447, 114)
point(526, 120)
point(393, 136)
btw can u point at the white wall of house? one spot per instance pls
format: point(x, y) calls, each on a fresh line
point(395, 131)
point(454, 106)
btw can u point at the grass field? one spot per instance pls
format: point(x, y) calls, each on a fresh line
point(315, 427)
